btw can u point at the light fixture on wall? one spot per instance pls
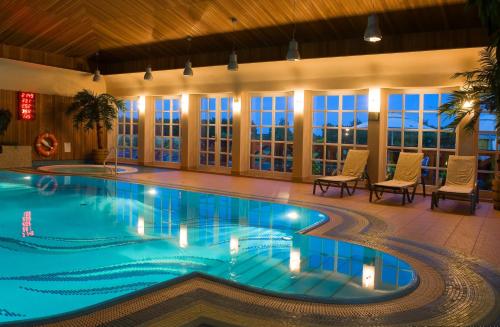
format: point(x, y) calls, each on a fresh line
point(148, 76)
point(372, 31)
point(97, 73)
point(233, 57)
point(293, 47)
point(374, 104)
point(188, 67)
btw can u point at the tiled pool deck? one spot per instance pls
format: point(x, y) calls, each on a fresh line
point(455, 254)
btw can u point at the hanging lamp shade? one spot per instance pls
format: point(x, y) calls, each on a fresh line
point(233, 62)
point(372, 32)
point(97, 75)
point(188, 68)
point(293, 51)
point(148, 76)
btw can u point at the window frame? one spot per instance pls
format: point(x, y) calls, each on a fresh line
point(438, 170)
point(341, 148)
point(287, 143)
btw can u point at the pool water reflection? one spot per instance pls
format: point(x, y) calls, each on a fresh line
point(92, 240)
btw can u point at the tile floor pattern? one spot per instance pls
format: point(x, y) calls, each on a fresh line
point(454, 253)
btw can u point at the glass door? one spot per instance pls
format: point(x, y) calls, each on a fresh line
point(216, 130)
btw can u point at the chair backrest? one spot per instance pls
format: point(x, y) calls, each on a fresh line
point(409, 167)
point(355, 163)
point(461, 171)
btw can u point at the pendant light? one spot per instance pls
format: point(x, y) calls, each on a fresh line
point(188, 67)
point(97, 73)
point(293, 47)
point(148, 76)
point(372, 31)
point(233, 57)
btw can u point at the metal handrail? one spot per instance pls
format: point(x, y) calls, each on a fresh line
point(111, 150)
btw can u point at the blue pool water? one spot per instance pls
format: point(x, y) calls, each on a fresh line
point(67, 243)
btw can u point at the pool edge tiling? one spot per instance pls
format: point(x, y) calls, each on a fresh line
point(272, 295)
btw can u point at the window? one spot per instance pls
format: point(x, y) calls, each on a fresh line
point(339, 123)
point(167, 129)
point(415, 125)
point(216, 134)
point(487, 150)
point(128, 130)
point(271, 147)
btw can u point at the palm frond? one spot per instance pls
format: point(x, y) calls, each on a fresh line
point(480, 92)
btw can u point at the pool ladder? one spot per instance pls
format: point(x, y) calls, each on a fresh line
point(109, 156)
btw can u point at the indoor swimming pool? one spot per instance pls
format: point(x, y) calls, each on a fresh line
point(71, 242)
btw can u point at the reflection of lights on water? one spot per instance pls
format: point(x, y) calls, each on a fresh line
point(294, 260)
point(321, 215)
point(27, 230)
point(152, 191)
point(368, 278)
point(183, 236)
point(140, 226)
point(286, 238)
point(234, 245)
point(292, 215)
point(27, 178)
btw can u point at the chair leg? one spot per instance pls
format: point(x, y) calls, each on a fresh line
point(404, 196)
point(371, 194)
point(353, 188)
point(314, 188)
point(432, 200)
point(342, 190)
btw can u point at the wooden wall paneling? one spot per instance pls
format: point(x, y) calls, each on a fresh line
point(50, 117)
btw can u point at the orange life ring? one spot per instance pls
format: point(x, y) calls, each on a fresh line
point(46, 144)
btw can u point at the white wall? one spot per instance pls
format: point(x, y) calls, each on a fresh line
point(18, 75)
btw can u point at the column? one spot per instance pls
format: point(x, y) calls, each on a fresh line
point(302, 142)
point(190, 111)
point(377, 133)
point(241, 133)
point(146, 130)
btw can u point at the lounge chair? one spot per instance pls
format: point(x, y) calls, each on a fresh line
point(353, 171)
point(407, 175)
point(460, 182)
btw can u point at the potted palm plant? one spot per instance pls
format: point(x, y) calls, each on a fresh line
point(95, 112)
point(480, 91)
point(5, 118)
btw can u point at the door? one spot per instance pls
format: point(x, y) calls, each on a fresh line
point(216, 129)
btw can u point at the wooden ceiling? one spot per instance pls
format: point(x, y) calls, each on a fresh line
point(128, 31)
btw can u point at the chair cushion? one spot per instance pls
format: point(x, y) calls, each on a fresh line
point(355, 163)
point(337, 178)
point(456, 189)
point(409, 167)
point(395, 183)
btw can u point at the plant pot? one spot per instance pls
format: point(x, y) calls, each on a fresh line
point(496, 192)
point(100, 155)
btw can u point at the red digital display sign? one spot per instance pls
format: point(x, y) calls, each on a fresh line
point(26, 106)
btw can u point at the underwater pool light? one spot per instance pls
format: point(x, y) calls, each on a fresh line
point(292, 215)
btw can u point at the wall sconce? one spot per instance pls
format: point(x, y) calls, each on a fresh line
point(236, 105)
point(183, 236)
point(374, 104)
point(294, 260)
point(298, 101)
point(142, 104)
point(185, 103)
point(368, 277)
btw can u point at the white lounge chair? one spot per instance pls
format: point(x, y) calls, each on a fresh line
point(407, 175)
point(353, 171)
point(460, 182)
